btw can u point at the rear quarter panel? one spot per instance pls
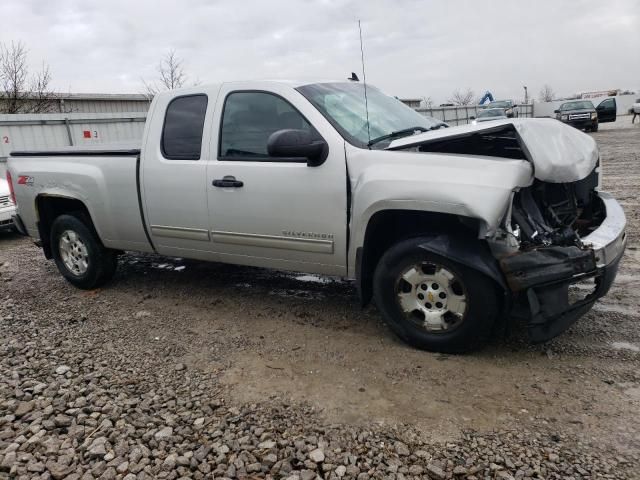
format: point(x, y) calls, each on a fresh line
point(105, 185)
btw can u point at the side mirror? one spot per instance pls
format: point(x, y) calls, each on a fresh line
point(292, 143)
point(556, 111)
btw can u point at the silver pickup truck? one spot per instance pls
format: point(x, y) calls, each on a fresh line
point(453, 231)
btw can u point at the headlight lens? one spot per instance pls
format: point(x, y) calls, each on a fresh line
point(564, 117)
point(594, 115)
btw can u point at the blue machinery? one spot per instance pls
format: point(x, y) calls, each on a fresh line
point(486, 97)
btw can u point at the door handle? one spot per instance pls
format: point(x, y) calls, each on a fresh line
point(228, 181)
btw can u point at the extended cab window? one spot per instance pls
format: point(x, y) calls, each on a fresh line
point(183, 126)
point(249, 118)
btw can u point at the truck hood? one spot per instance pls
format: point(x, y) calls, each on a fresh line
point(559, 153)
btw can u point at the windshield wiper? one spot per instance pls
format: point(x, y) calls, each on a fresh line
point(400, 133)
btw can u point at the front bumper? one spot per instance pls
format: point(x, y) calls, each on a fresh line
point(6, 214)
point(581, 123)
point(542, 278)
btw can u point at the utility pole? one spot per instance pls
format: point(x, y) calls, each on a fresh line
point(526, 95)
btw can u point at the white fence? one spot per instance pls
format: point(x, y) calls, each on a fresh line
point(461, 115)
point(41, 131)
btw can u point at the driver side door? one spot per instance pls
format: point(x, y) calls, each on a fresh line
point(607, 110)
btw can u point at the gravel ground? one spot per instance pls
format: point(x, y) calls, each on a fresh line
point(186, 370)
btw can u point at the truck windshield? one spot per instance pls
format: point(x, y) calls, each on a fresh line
point(343, 104)
point(500, 104)
point(577, 105)
point(494, 112)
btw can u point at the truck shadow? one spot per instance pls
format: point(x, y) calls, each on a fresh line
point(319, 301)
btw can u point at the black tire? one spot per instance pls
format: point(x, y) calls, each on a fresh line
point(482, 301)
point(594, 128)
point(101, 262)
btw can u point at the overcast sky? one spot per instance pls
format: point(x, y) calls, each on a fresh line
point(413, 48)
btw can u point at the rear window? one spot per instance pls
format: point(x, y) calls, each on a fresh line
point(183, 126)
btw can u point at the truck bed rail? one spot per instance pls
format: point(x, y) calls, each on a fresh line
point(77, 153)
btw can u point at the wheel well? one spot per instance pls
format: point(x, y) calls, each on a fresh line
point(49, 208)
point(388, 227)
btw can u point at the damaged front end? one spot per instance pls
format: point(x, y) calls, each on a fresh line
point(570, 239)
point(561, 239)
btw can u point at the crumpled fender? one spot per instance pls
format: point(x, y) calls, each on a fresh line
point(460, 249)
point(468, 251)
point(472, 187)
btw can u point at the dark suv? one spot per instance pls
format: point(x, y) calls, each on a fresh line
point(583, 115)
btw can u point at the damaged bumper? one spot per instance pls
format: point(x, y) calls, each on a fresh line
point(544, 278)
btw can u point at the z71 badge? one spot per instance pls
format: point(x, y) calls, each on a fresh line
point(25, 180)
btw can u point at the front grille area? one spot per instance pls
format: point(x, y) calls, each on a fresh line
point(579, 116)
point(4, 201)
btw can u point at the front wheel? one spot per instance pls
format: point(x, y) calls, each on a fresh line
point(432, 302)
point(79, 255)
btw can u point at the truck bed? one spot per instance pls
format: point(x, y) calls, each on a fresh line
point(106, 180)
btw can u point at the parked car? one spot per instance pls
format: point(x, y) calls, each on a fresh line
point(7, 207)
point(583, 115)
point(488, 115)
point(510, 108)
point(451, 230)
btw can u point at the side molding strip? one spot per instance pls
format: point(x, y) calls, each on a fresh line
point(273, 241)
point(180, 232)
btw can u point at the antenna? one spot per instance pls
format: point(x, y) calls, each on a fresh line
point(364, 79)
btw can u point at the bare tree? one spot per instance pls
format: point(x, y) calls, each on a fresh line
point(170, 75)
point(546, 93)
point(21, 92)
point(462, 98)
point(427, 102)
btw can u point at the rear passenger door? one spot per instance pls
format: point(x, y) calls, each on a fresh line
point(275, 212)
point(173, 177)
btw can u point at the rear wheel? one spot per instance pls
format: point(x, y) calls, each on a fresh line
point(79, 255)
point(432, 302)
